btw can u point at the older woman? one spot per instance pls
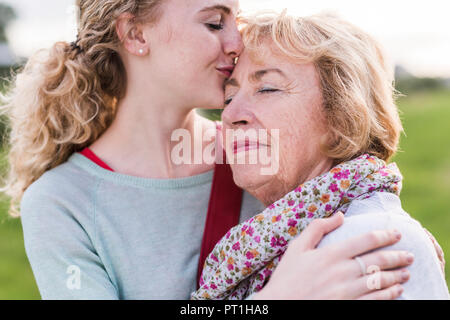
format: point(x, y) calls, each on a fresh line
point(323, 87)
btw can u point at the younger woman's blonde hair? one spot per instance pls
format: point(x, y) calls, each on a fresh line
point(356, 79)
point(66, 97)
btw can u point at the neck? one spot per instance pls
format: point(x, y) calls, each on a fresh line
point(286, 181)
point(138, 143)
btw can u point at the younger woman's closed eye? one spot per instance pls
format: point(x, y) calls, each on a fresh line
point(215, 26)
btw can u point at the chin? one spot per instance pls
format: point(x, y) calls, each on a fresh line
point(249, 177)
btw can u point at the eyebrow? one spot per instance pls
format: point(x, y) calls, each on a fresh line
point(231, 82)
point(257, 76)
point(254, 77)
point(218, 7)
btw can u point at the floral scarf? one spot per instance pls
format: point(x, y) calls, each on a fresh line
point(244, 259)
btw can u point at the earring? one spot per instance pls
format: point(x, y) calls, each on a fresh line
point(141, 51)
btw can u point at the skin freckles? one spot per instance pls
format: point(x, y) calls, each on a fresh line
point(288, 98)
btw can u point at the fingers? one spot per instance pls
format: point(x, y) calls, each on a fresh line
point(359, 245)
point(390, 293)
point(381, 260)
point(379, 281)
point(316, 230)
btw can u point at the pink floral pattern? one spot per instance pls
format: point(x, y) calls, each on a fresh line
point(244, 259)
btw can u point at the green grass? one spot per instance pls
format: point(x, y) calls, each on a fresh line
point(16, 277)
point(424, 161)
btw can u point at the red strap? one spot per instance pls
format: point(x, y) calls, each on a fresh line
point(223, 211)
point(93, 157)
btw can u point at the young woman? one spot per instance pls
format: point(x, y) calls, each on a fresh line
point(105, 211)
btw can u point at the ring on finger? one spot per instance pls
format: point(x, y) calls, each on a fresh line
point(362, 266)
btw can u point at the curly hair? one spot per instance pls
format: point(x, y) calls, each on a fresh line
point(66, 96)
point(356, 79)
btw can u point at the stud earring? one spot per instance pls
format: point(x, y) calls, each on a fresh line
point(141, 51)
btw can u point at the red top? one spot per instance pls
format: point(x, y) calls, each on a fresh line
point(93, 157)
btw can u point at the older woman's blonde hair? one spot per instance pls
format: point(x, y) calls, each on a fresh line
point(356, 79)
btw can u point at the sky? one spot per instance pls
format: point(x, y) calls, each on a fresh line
point(415, 33)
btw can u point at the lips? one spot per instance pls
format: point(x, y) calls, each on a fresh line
point(240, 146)
point(227, 70)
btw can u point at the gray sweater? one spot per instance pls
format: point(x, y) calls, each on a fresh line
point(95, 234)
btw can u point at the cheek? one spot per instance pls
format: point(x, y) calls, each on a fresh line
point(208, 52)
point(301, 132)
point(306, 122)
point(199, 48)
point(305, 134)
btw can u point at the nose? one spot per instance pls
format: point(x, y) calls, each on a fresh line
point(233, 44)
point(237, 115)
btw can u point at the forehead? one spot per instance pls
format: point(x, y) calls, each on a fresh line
point(227, 6)
point(252, 62)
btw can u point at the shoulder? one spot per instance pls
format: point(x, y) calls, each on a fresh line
point(64, 192)
point(59, 182)
point(383, 211)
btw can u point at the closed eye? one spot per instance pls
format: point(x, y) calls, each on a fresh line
point(214, 26)
point(228, 101)
point(267, 90)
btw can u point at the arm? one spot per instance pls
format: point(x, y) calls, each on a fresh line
point(62, 256)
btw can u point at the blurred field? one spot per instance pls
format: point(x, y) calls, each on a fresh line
point(16, 277)
point(424, 161)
